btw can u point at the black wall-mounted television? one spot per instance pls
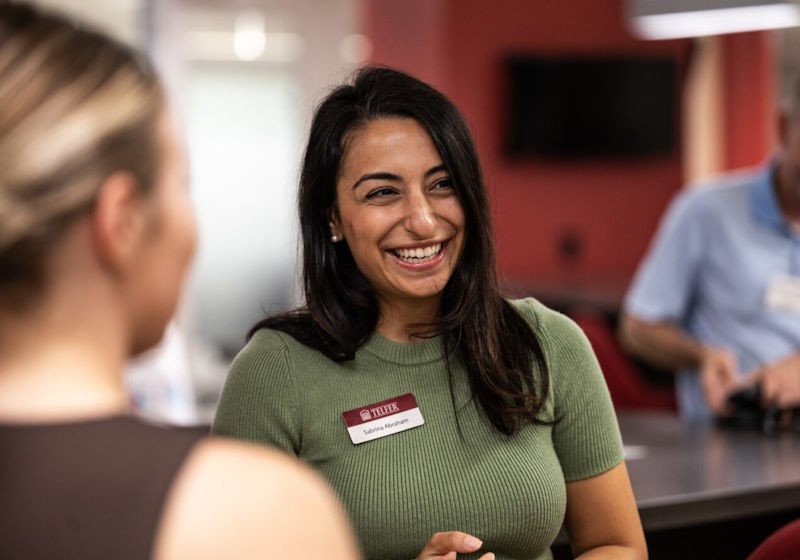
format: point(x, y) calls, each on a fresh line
point(591, 107)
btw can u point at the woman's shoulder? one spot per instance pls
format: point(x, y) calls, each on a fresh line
point(265, 339)
point(267, 342)
point(271, 503)
point(556, 331)
point(276, 360)
point(293, 331)
point(542, 318)
point(265, 349)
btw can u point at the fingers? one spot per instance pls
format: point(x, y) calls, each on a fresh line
point(770, 390)
point(781, 387)
point(445, 545)
point(790, 397)
point(714, 389)
point(455, 541)
point(718, 377)
point(453, 556)
point(728, 371)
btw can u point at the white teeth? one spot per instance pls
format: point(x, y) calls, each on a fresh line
point(417, 254)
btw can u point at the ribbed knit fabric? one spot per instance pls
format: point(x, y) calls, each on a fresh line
point(401, 489)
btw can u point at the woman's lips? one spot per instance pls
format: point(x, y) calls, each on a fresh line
point(424, 263)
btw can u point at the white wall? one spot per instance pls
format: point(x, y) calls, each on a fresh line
point(246, 124)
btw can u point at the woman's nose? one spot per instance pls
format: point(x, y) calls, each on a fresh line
point(421, 220)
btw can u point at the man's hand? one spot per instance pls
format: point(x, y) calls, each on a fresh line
point(780, 383)
point(718, 377)
point(445, 546)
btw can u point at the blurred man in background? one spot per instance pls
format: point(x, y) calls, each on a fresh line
point(717, 297)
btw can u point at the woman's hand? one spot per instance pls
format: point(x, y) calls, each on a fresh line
point(445, 546)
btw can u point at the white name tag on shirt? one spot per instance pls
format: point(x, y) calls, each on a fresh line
point(783, 294)
point(383, 418)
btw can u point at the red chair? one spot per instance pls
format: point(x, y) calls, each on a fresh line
point(629, 390)
point(783, 544)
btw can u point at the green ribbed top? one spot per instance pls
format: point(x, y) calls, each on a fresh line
point(402, 488)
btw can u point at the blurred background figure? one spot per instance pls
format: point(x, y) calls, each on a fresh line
point(718, 295)
point(97, 232)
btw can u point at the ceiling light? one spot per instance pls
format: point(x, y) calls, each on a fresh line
point(673, 19)
point(249, 38)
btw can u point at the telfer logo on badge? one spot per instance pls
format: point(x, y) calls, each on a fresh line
point(379, 411)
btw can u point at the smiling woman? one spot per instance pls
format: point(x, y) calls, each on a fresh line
point(400, 216)
point(449, 419)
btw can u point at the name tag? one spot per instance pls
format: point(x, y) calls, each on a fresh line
point(383, 418)
point(783, 294)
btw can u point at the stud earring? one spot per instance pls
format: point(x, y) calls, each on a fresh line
point(334, 238)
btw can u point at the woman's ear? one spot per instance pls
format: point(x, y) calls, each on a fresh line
point(334, 225)
point(119, 222)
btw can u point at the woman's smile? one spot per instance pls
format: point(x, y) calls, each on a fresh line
point(420, 257)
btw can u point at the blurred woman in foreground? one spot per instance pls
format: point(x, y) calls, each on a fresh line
point(96, 233)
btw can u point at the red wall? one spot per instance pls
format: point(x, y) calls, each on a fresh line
point(410, 35)
point(749, 78)
point(459, 45)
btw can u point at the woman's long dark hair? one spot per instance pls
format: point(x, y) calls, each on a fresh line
point(499, 350)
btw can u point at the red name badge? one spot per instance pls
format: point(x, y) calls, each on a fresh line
point(383, 418)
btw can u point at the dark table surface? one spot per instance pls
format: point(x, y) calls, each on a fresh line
point(684, 474)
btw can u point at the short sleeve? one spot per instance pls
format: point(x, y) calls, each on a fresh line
point(664, 283)
point(585, 434)
point(259, 402)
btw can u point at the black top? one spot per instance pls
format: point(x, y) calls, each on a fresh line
point(90, 489)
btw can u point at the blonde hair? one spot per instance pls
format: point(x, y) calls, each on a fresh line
point(75, 107)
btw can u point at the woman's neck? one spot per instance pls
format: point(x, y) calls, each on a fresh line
point(54, 368)
point(397, 318)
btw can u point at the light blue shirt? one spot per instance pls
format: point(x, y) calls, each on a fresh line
point(708, 269)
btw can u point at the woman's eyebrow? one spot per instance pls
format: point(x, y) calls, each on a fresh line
point(386, 176)
point(380, 175)
point(435, 170)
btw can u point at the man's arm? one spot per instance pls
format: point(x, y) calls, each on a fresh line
point(663, 290)
point(666, 345)
point(661, 344)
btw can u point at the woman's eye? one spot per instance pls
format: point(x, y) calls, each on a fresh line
point(443, 184)
point(380, 193)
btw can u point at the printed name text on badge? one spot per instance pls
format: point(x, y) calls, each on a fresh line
point(383, 418)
